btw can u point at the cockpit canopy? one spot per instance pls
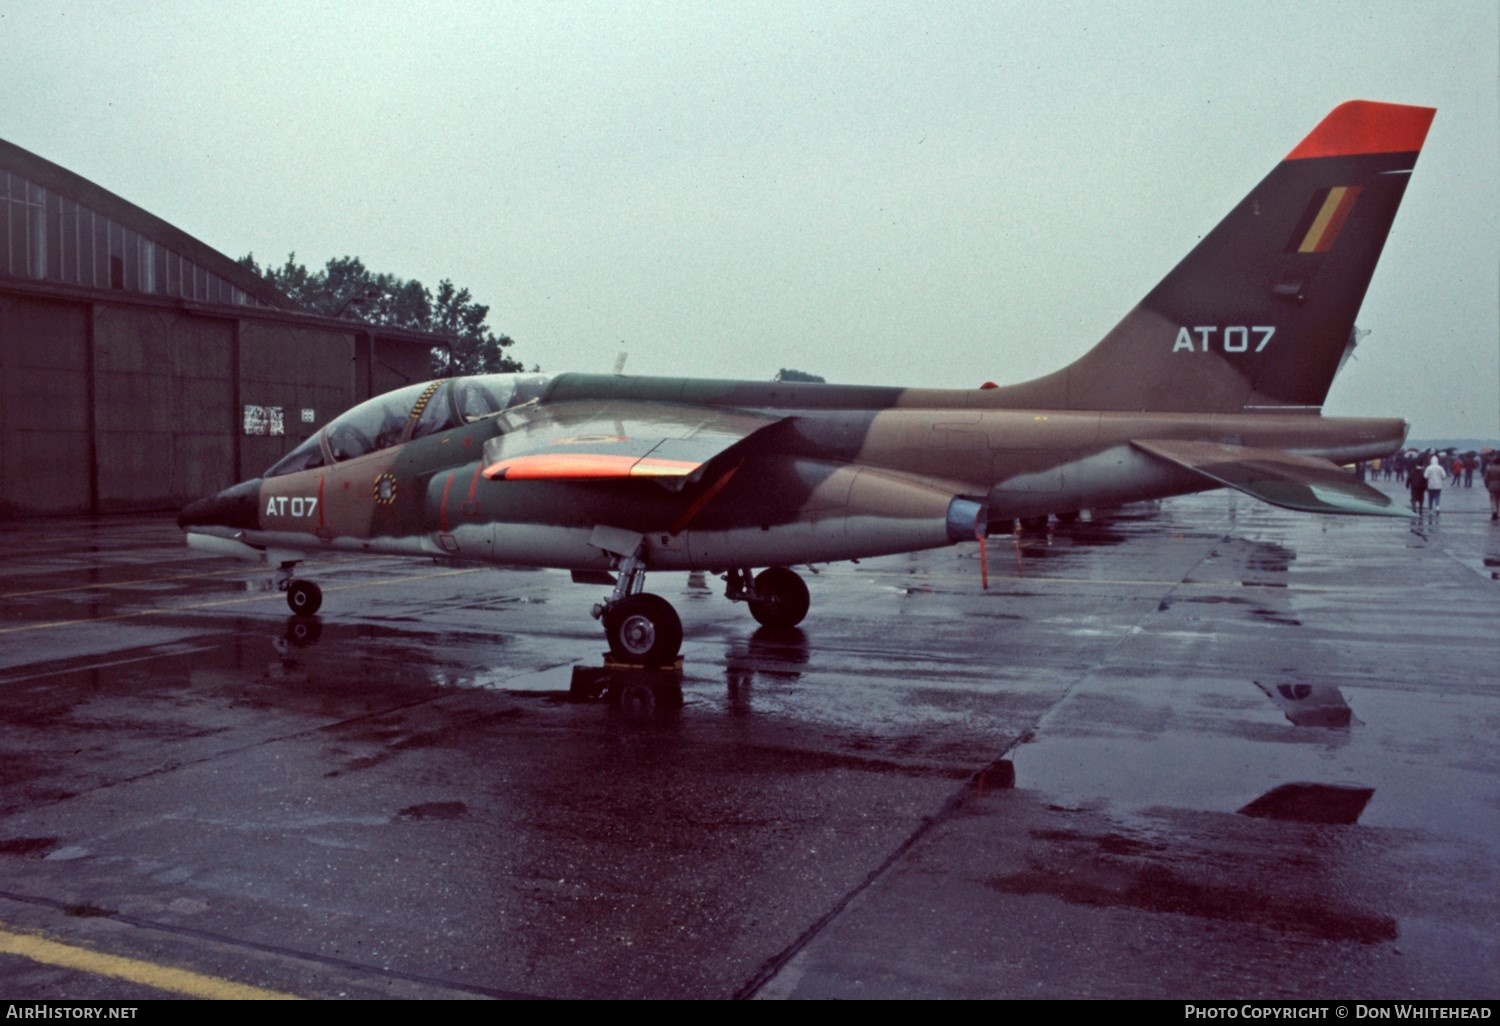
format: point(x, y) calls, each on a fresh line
point(411, 412)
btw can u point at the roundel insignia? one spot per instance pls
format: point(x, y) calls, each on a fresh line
point(385, 489)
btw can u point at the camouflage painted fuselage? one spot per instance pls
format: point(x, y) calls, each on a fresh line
point(1215, 378)
point(837, 473)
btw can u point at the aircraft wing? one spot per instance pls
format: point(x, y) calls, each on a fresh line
point(1305, 483)
point(615, 439)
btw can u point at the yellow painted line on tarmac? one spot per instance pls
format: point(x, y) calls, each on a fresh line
point(249, 569)
point(1178, 584)
point(96, 585)
point(997, 583)
point(159, 977)
point(1125, 581)
point(169, 610)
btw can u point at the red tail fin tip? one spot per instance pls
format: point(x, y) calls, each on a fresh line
point(1364, 126)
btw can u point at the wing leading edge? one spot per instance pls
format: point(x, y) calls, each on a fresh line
point(617, 439)
point(1306, 483)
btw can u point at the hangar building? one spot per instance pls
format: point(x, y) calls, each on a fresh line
point(140, 369)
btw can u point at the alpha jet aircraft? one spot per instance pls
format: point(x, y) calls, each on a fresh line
point(1216, 378)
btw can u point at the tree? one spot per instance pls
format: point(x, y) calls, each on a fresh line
point(346, 288)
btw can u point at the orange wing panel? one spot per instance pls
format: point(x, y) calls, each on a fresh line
point(585, 466)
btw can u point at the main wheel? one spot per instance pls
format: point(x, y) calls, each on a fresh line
point(643, 629)
point(781, 598)
point(304, 597)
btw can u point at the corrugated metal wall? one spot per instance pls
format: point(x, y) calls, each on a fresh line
point(116, 406)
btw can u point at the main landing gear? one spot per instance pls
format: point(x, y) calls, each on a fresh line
point(641, 628)
point(777, 597)
point(644, 629)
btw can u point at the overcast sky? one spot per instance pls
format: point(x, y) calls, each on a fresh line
point(887, 193)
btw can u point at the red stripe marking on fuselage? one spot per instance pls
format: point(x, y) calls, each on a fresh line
point(703, 500)
point(470, 507)
point(443, 508)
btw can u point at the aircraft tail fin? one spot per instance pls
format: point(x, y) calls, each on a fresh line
point(1261, 312)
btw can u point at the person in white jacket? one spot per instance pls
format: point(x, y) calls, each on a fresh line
point(1435, 475)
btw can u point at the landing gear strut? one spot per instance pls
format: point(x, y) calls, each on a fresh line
point(641, 628)
point(645, 630)
point(777, 597)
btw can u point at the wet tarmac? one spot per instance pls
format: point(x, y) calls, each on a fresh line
point(1202, 749)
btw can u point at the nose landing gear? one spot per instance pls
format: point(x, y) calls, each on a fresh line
point(303, 597)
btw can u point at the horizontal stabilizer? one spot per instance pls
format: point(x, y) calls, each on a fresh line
point(1304, 483)
point(616, 439)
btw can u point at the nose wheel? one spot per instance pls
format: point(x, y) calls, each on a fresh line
point(304, 597)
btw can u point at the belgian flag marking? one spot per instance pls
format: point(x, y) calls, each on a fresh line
point(1325, 217)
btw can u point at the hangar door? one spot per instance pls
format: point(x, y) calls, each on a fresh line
point(44, 407)
point(165, 407)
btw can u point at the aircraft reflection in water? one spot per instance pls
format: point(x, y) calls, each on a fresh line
point(1311, 705)
point(1215, 378)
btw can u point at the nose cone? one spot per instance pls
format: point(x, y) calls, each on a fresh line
point(237, 507)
